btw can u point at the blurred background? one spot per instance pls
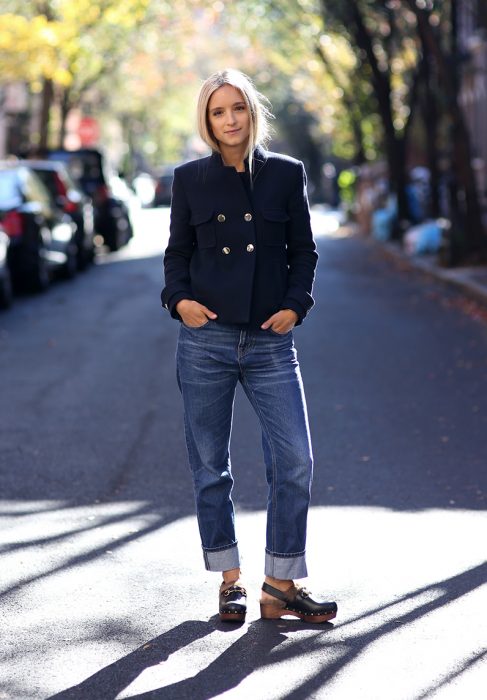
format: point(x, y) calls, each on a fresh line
point(384, 101)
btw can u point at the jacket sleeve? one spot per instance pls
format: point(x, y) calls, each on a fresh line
point(180, 248)
point(301, 250)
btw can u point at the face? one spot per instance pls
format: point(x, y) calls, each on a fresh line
point(229, 116)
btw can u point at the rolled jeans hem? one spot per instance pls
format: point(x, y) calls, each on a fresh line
point(222, 559)
point(287, 567)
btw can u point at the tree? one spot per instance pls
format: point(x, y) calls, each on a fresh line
point(305, 68)
point(467, 218)
point(64, 47)
point(382, 41)
point(366, 52)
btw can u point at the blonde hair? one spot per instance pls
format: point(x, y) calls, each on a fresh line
point(260, 115)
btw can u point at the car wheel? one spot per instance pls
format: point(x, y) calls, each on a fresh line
point(120, 233)
point(90, 254)
point(39, 279)
point(86, 257)
point(111, 236)
point(118, 240)
point(82, 259)
point(70, 267)
point(6, 293)
point(114, 245)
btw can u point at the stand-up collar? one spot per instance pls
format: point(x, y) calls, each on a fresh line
point(260, 157)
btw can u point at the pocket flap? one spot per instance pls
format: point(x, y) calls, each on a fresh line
point(201, 217)
point(278, 215)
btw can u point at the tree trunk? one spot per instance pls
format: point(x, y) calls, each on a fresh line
point(462, 165)
point(47, 96)
point(65, 106)
point(350, 104)
point(394, 146)
point(430, 118)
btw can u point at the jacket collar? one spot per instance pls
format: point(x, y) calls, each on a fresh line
point(260, 157)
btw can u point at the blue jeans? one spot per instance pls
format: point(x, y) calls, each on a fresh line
point(211, 360)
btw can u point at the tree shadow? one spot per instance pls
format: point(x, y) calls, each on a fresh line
point(95, 552)
point(8, 547)
point(259, 648)
point(452, 588)
point(250, 652)
point(466, 666)
point(111, 680)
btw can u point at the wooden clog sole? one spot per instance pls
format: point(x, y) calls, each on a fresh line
point(232, 617)
point(272, 612)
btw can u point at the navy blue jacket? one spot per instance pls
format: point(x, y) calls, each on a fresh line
point(243, 257)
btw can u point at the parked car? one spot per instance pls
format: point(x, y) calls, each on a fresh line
point(163, 190)
point(145, 187)
point(67, 195)
point(42, 238)
point(87, 167)
point(5, 277)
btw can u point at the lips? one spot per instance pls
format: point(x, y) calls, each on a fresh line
point(234, 131)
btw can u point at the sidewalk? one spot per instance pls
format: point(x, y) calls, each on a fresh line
point(471, 281)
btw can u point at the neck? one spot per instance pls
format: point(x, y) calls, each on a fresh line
point(233, 156)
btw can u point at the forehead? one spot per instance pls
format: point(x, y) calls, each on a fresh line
point(225, 95)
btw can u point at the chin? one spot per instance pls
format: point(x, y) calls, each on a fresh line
point(236, 140)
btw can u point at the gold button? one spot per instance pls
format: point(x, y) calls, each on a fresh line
point(226, 250)
point(248, 217)
point(221, 218)
point(250, 248)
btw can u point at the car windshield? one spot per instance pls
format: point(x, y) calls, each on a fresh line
point(84, 166)
point(48, 179)
point(10, 195)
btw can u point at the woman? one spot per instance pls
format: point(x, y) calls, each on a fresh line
point(239, 270)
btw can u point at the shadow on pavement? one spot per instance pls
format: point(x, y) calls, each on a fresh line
point(111, 680)
point(155, 524)
point(466, 666)
point(448, 591)
point(259, 647)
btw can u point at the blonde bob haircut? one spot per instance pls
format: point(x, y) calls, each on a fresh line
point(256, 104)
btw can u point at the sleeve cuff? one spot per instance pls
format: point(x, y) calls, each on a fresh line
point(294, 306)
point(171, 303)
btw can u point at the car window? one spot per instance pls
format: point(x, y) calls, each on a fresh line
point(68, 180)
point(82, 165)
point(48, 180)
point(36, 192)
point(76, 167)
point(10, 194)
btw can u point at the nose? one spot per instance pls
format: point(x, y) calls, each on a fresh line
point(231, 119)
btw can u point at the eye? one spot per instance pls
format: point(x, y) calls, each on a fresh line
point(240, 108)
point(217, 112)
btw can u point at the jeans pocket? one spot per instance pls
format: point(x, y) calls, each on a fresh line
point(195, 328)
point(279, 335)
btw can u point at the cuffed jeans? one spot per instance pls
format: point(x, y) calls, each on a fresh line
point(211, 360)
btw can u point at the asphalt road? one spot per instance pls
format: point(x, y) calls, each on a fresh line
point(103, 594)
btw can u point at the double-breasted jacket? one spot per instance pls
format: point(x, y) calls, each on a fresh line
point(243, 252)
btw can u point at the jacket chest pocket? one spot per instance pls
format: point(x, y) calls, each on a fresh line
point(204, 227)
point(275, 221)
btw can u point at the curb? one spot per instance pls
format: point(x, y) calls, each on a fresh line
point(458, 278)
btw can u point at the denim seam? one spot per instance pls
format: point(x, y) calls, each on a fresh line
point(294, 555)
point(246, 344)
point(210, 550)
point(274, 470)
